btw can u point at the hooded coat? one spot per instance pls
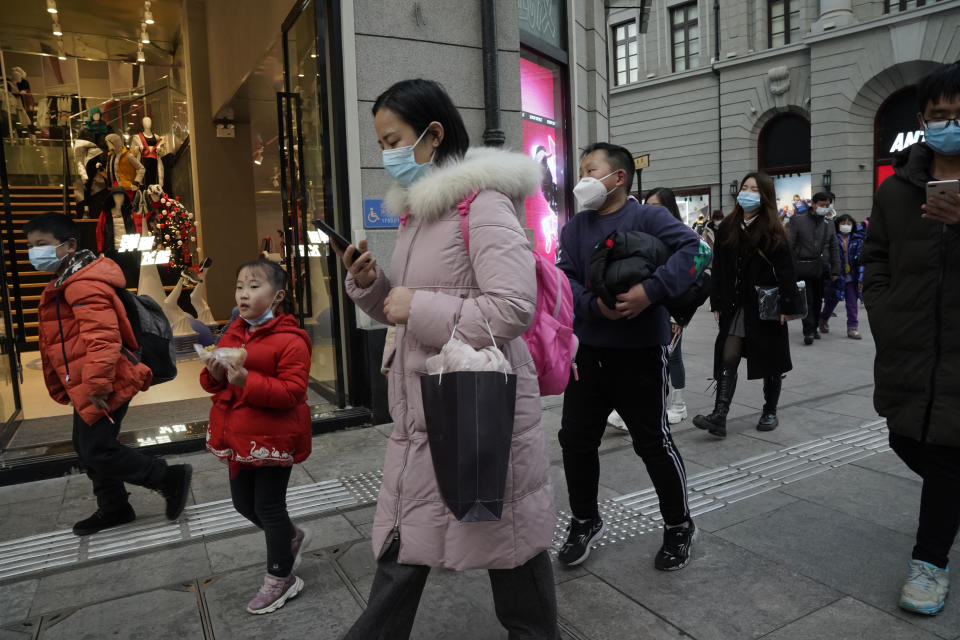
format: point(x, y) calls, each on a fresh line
point(86, 341)
point(266, 422)
point(911, 271)
point(494, 283)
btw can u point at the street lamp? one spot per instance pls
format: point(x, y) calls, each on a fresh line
point(734, 188)
point(827, 179)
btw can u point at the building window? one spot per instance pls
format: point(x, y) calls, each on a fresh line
point(685, 30)
point(902, 5)
point(625, 60)
point(783, 21)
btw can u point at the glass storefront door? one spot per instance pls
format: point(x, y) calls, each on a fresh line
point(10, 367)
point(306, 191)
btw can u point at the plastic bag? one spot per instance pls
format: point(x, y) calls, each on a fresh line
point(224, 355)
point(459, 356)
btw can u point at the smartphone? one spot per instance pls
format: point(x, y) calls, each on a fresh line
point(336, 239)
point(941, 188)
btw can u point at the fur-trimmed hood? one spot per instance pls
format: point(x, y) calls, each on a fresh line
point(513, 174)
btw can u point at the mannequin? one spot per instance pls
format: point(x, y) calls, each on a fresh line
point(95, 129)
point(198, 297)
point(123, 168)
point(115, 221)
point(92, 171)
point(149, 148)
point(26, 97)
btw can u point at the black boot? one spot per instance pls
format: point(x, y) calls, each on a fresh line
point(104, 520)
point(771, 396)
point(176, 489)
point(716, 422)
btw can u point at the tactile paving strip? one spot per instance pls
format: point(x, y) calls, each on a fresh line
point(626, 516)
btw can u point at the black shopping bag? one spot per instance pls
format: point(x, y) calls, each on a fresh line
point(469, 416)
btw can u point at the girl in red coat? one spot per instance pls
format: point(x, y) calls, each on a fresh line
point(260, 422)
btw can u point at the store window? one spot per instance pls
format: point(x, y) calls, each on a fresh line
point(892, 6)
point(685, 37)
point(783, 150)
point(693, 203)
point(783, 22)
point(895, 129)
point(544, 138)
point(625, 60)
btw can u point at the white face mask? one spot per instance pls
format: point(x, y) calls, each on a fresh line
point(591, 193)
point(845, 228)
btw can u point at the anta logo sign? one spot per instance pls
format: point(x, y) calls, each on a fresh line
point(906, 139)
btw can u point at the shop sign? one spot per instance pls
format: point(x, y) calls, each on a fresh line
point(544, 21)
point(905, 139)
point(135, 242)
point(160, 257)
point(375, 218)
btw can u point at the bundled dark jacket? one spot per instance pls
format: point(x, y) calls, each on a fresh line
point(814, 243)
point(850, 255)
point(910, 289)
point(737, 271)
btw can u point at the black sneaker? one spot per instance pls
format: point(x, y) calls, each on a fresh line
point(104, 520)
point(808, 340)
point(675, 552)
point(582, 536)
point(176, 488)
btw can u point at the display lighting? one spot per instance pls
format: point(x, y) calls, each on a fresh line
point(147, 14)
point(140, 56)
point(57, 31)
point(51, 6)
point(61, 55)
point(144, 38)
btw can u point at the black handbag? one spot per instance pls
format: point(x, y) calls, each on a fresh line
point(768, 298)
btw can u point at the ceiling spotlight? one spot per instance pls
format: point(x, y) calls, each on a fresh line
point(61, 55)
point(51, 6)
point(56, 28)
point(258, 155)
point(140, 56)
point(144, 38)
point(147, 14)
point(313, 55)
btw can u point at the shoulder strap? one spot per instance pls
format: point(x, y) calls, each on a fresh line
point(764, 256)
point(463, 208)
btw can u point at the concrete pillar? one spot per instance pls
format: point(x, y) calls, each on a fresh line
point(222, 173)
point(834, 14)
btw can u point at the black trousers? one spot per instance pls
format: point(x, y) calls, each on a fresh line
point(634, 382)
point(109, 463)
point(939, 467)
point(811, 321)
point(260, 495)
point(524, 598)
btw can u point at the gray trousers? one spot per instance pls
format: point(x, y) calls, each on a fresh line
point(525, 599)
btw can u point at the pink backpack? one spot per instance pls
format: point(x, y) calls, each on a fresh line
point(550, 336)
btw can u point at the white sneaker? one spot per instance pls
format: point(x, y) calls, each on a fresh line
point(615, 421)
point(925, 589)
point(677, 410)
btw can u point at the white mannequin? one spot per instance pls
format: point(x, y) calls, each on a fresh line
point(119, 228)
point(137, 147)
point(198, 297)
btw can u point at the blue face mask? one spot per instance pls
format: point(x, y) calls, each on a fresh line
point(401, 164)
point(265, 317)
point(945, 140)
point(748, 200)
point(45, 258)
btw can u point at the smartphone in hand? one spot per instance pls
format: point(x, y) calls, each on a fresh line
point(941, 188)
point(340, 243)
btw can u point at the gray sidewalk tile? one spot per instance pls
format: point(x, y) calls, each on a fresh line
point(30, 491)
point(15, 599)
point(324, 610)
point(117, 578)
point(624, 471)
point(888, 462)
point(21, 519)
point(851, 555)
point(849, 405)
point(699, 447)
point(209, 486)
point(883, 499)
point(743, 510)
point(168, 613)
point(344, 453)
point(363, 515)
point(725, 591)
point(599, 612)
point(800, 424)
point(849, 619)
point(250, 548)
point(21, 631)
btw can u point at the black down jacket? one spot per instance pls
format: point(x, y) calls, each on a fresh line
point(910, 289)
point(625, 259)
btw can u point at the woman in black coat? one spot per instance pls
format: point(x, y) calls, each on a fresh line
point(750, 250)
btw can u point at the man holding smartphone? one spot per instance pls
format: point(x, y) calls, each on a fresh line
point(912, 266)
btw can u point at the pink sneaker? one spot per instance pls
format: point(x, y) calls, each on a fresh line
point(301, 539)
point(274, 593)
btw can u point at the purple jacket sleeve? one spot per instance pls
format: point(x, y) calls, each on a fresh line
point(678, 273)
point(584, 301)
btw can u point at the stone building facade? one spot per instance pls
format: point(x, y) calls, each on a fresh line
point(709, 109)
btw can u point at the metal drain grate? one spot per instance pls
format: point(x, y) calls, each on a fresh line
point(634, 514)
point(626, 516)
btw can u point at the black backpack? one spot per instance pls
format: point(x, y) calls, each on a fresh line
point(153, 333)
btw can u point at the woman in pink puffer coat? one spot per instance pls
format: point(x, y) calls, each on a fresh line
point(433, 285)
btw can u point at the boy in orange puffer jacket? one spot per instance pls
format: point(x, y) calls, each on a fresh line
point(87, 347)
point(260, 421)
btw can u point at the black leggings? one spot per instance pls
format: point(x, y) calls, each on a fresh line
point(260, 495)
point(732, 351)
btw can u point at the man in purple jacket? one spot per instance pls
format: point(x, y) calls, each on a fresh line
point(622, 360)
